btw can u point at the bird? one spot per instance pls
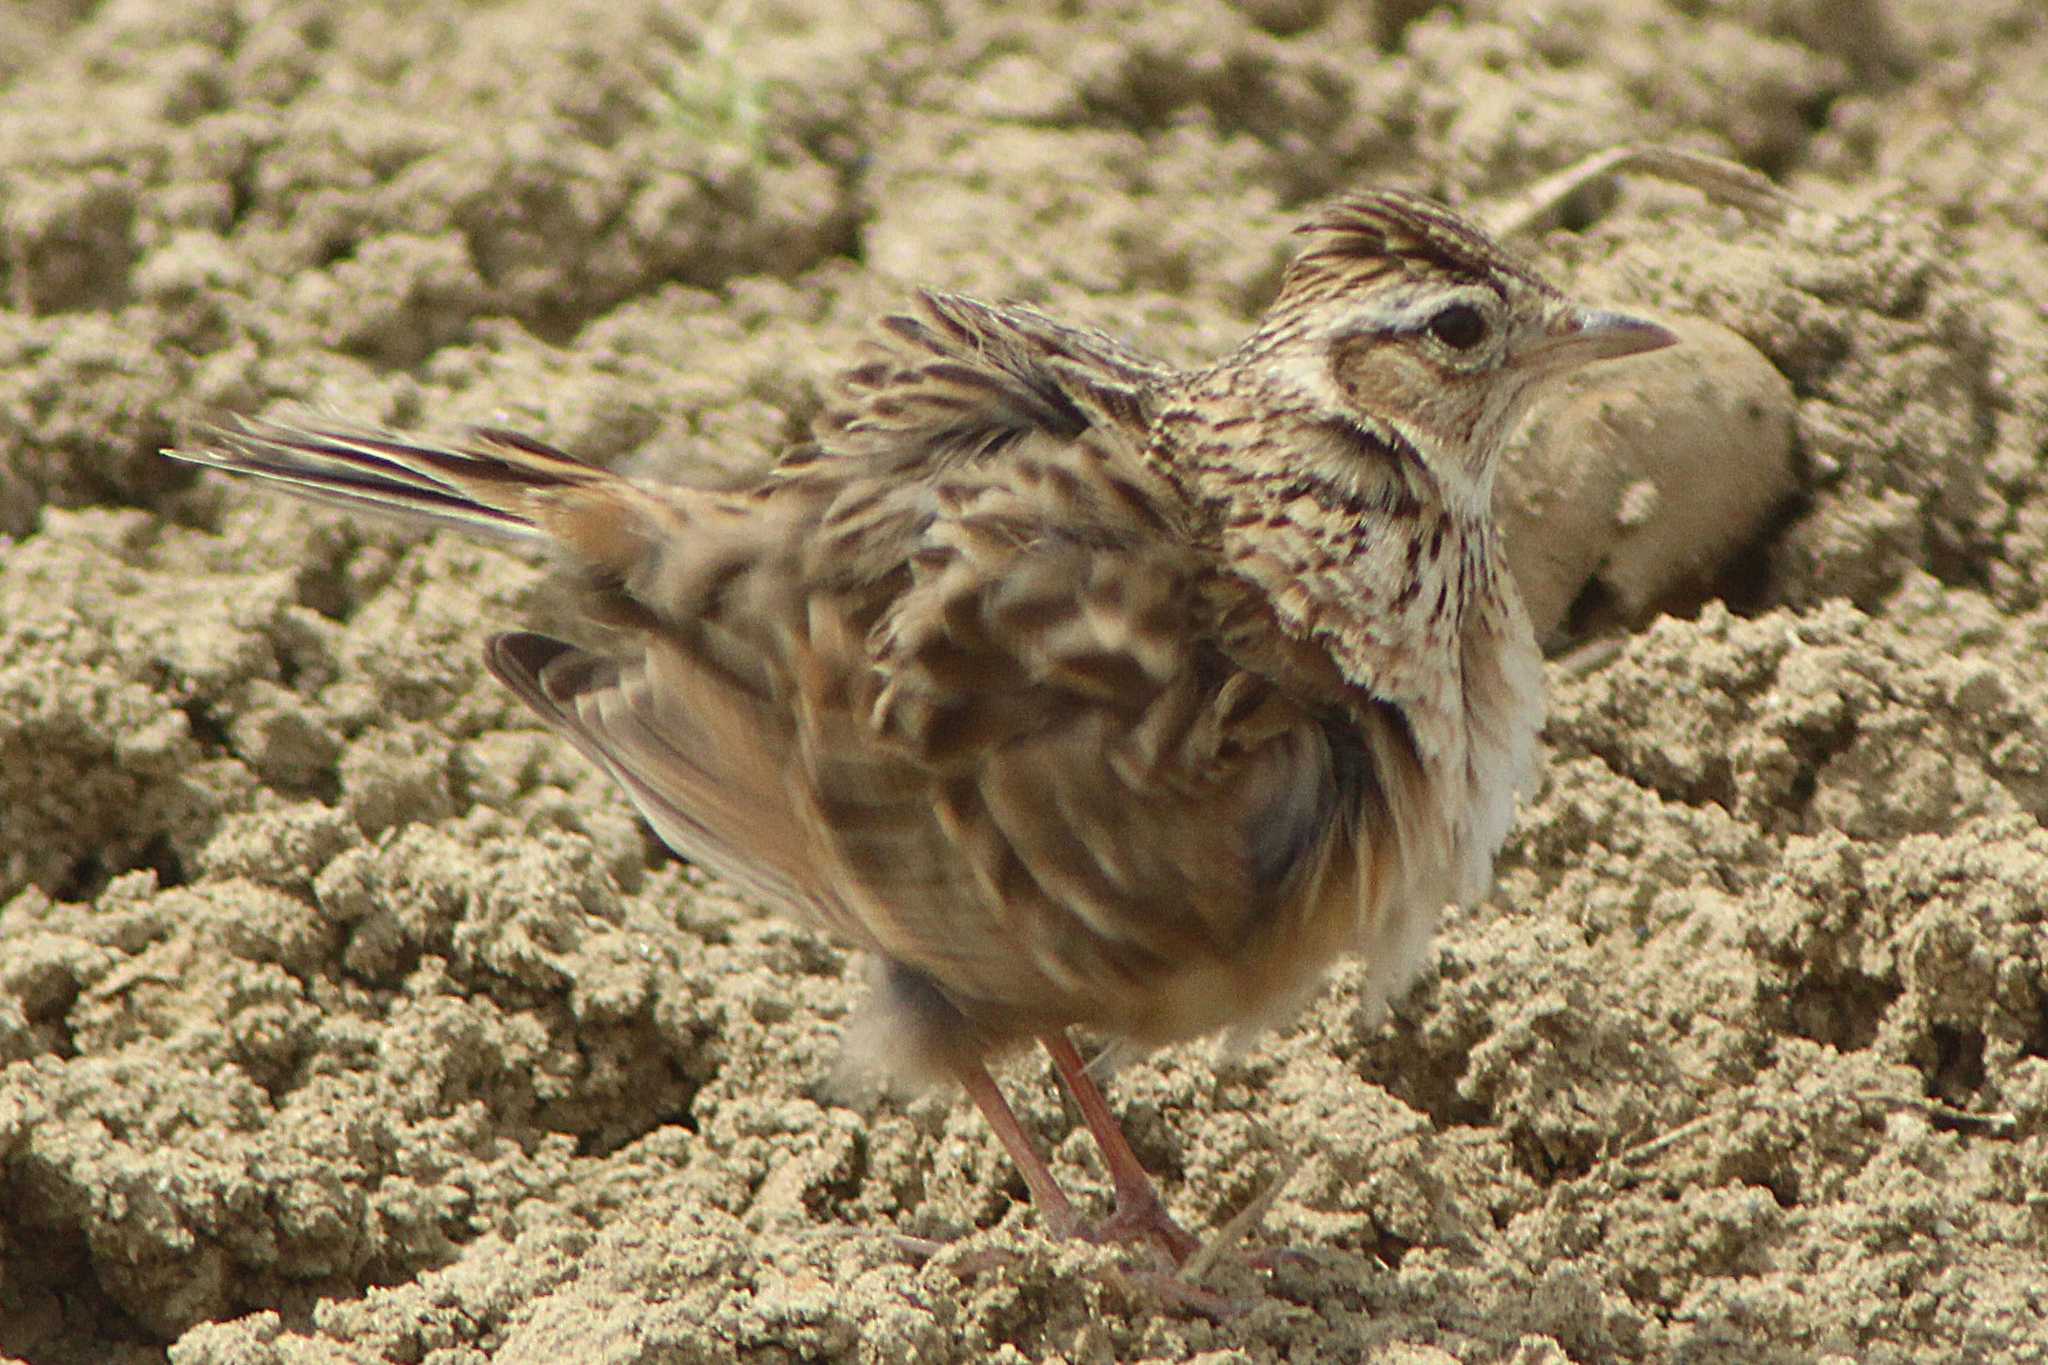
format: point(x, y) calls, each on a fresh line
point(1079, 691)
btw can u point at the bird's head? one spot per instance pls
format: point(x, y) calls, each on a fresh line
point(1400, 316)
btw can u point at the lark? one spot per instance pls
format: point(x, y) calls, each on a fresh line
point(1078, 691)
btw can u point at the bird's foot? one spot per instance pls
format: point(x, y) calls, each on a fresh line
point(1141, 1215)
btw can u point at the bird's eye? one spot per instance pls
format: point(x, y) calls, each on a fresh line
point(1459, 327)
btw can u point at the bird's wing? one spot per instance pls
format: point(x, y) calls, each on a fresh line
point(957, 380)
point(943, 683)
point(1099, 799)
point(1050, 781)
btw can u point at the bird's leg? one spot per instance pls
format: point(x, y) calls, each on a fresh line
point(1051, 1201)
point(1139, 1210)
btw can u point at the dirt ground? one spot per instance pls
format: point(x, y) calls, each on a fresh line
point(345, 1016)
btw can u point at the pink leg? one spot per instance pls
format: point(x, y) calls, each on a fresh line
point(1052, 1202)
point(1139, 1211)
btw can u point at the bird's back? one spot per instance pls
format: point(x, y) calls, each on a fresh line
point(965, 681)
point(970, 649)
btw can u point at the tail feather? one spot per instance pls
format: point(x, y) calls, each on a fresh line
point(487, 484)
point(702, 761)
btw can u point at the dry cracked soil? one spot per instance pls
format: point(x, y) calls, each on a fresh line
point(345, 1016)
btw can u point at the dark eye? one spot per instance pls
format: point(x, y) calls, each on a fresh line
point(1459, 327)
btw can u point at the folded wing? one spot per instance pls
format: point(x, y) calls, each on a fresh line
point(947, 682)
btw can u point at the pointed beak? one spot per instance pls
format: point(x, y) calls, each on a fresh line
point(1578, 336)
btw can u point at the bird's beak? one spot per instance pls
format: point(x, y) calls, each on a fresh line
point(1578, 336)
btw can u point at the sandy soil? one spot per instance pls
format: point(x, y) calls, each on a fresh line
point(347, 1017)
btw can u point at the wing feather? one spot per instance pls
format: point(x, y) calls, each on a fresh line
point(953, 681)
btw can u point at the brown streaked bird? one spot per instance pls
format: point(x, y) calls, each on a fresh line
point(1079, 691)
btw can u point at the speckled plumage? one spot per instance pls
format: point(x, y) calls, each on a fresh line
point(1078, 690)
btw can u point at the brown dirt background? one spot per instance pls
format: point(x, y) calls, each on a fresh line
point(346, 1017)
